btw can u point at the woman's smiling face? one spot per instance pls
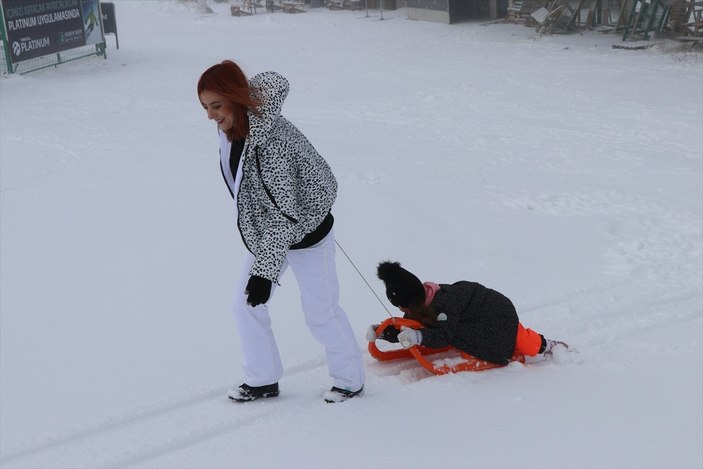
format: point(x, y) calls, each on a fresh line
point(218, 109)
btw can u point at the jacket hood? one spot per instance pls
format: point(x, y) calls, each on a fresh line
point(272, 89)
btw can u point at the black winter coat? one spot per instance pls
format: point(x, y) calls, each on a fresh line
point(480, 321)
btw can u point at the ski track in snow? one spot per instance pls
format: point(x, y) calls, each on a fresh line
point(137, 438)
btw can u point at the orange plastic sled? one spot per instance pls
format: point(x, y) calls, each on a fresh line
point(466, 363)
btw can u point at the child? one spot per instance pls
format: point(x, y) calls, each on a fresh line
point(465, 315)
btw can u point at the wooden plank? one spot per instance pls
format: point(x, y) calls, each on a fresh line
point(637, 46)
point(293, 7)
point(688, 39)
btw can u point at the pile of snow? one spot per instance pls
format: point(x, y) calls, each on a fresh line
point(557, 170)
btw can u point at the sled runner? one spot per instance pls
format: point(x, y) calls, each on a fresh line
point(460, 361)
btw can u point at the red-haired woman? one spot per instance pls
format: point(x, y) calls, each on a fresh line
point(283, 192)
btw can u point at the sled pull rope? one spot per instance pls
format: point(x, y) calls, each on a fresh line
point(362, 277)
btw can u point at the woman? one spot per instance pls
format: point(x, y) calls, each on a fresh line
point(466, 315)
point(283, 191)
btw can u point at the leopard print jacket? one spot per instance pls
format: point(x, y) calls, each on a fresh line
point(286, 187)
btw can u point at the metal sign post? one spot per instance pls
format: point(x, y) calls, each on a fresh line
point(109, 20)
point(5, 43)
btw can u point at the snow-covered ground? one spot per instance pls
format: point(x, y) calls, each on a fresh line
point(562, 172)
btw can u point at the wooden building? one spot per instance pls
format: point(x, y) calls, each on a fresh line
point(455, 11)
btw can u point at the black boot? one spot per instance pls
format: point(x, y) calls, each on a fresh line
point(340, 395)
point(245, 393)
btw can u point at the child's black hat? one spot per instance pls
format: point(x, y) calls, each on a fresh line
point(403, 289)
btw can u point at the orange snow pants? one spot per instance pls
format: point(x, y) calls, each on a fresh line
point(528, 341)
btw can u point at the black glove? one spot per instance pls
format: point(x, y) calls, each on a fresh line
point(258, 290)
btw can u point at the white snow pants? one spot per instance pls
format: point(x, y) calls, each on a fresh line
point(315, 270)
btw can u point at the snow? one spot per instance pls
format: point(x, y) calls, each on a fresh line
point(557, 170)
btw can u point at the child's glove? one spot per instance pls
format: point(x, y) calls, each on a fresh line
point(409, 337)
point(389, 334)
point(371, 332)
